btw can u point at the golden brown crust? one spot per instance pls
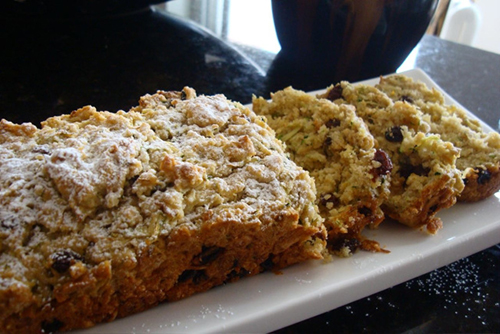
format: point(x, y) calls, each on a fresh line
point(108, 214)
point(480, 183)
point(421, 213)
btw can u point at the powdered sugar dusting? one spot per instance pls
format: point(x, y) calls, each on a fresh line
point(91, 191)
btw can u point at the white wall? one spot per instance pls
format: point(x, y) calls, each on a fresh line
point(488, 37)
point(251, 23)
point(178, 7)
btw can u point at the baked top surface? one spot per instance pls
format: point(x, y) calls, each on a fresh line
point(92, 188)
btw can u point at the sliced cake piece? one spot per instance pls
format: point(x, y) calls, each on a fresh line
point(335, 146)
point(424, 179)
point(479, 159)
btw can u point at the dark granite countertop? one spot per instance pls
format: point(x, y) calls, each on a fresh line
point(50, 68)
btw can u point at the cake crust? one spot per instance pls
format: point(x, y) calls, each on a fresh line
point(108, 214)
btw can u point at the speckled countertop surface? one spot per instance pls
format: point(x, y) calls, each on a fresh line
point(52, 68)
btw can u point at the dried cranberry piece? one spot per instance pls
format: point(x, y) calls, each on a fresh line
point(328, 200)
point(332, 123)
point(207, 255)
point(236, 273)
point(406, 98)
point(196, 276)
point(350, 243)
point(385, 163)
point(186, 275)
point(365, 211)
point(407, 169)
point(268, 264)
point(334, 93)
point(326, 145)
point(394, 134)
point(63, 259)
point(483, 176)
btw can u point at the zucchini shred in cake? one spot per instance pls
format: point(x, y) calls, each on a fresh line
point(108, 214)
point(424, 179)
point(479, 160)
point(432, 154)
point(335, 146)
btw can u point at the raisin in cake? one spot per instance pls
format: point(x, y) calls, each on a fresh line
point(335, 146)
point(479, 159)
point(424, 179)
point(108, 214)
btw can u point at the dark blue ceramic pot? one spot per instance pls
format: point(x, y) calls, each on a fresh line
point(330, 40)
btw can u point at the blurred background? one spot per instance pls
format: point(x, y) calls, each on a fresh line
point(473, 23)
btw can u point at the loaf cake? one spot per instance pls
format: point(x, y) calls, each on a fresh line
point(335, 146)
point(108, 214)
point(479, 159)
point(424, 178)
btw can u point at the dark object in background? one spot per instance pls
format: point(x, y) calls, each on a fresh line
point(70, 9)
point(52, 63)
point(325, 41)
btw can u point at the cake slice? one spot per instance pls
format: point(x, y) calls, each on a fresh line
point(479, 159)
point(335, 146)
point(107, 214)
point(424, 179)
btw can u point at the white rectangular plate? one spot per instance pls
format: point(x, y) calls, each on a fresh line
point(267, 302)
